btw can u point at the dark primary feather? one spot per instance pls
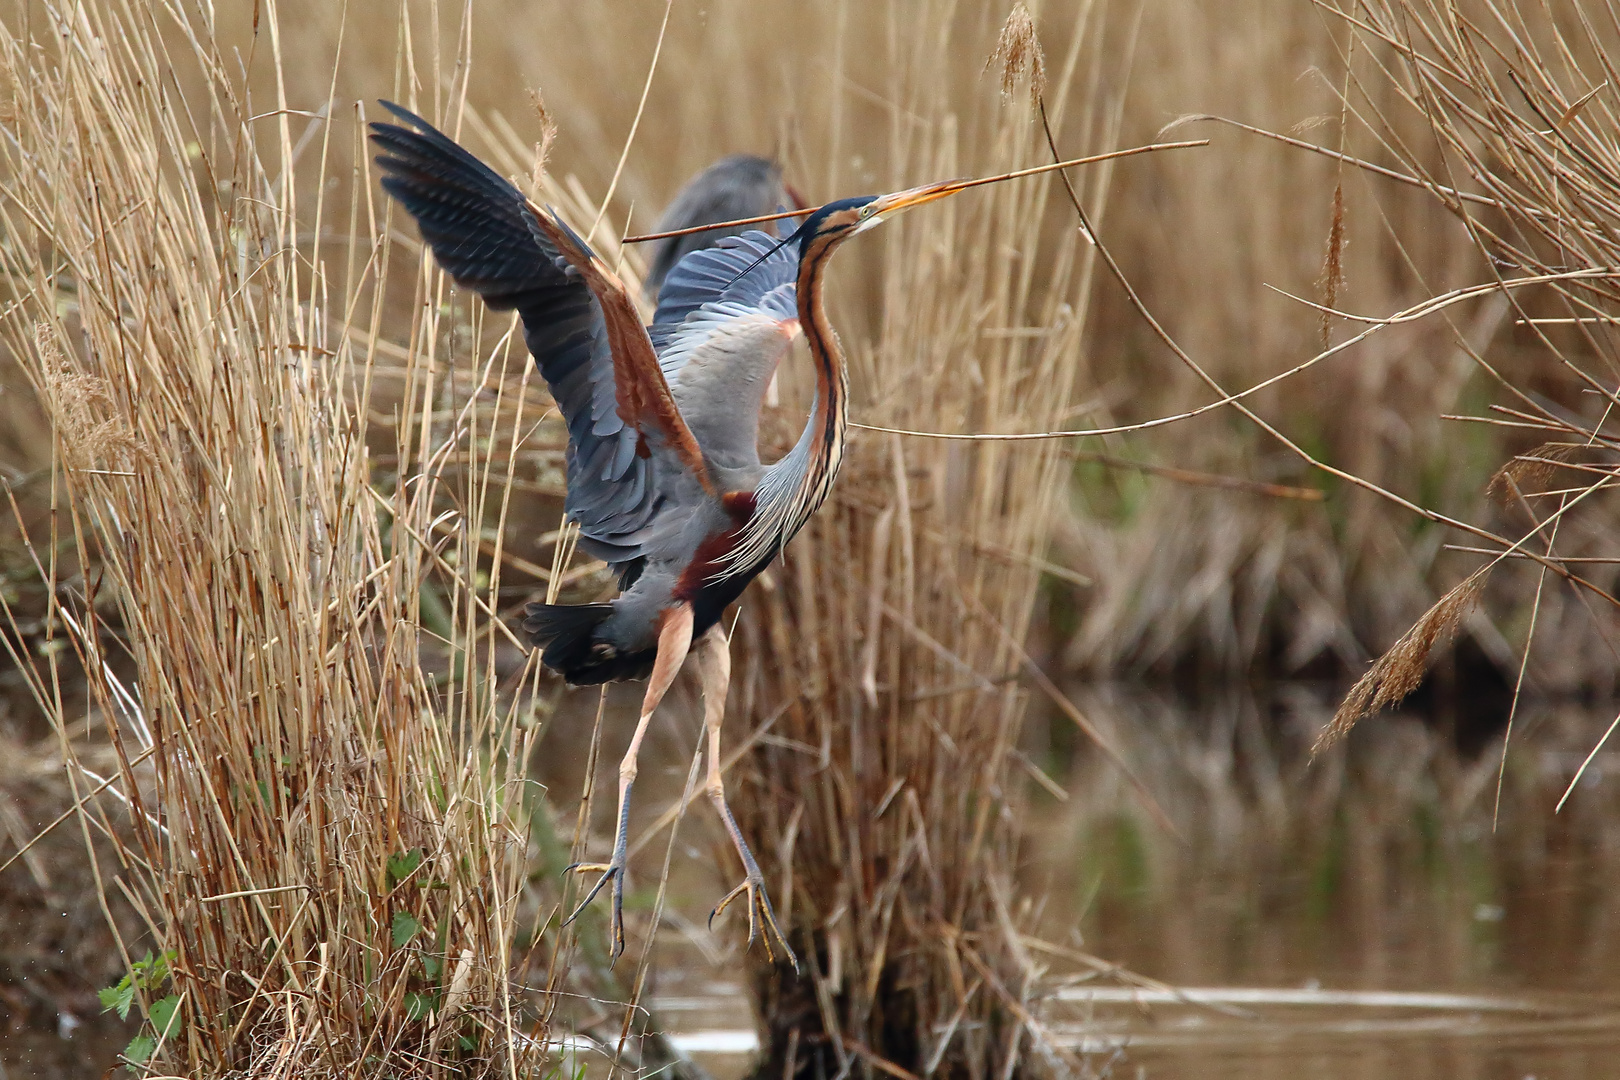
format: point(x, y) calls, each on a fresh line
point(644, 398)
point(567, 634)
point(483, 233)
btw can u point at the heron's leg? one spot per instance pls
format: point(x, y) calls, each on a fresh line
point(674, 640)
point(714, 669)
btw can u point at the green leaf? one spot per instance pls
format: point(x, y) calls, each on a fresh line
point(402, 864)
point(164, 1014)
point(118, 997)
point(432, 966)
point(420, 1006)
point(406, 927)
point(140, 1048)
point(155, 970)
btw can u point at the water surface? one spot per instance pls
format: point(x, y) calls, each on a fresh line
point(1374, 913)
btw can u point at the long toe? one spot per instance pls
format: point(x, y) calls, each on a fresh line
point(725, 902)
point(759, 911)
point(772, 930)
point(609, 873)
point(618, 920)
point(587, 868)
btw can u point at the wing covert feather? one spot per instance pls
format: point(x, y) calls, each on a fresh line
point(643, 396)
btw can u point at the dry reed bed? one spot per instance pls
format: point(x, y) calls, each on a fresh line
point(319, 804)
point(1182, 578)
point(225, 400)
point(1308, 586)
point(1219, 583)
point(1215, 582)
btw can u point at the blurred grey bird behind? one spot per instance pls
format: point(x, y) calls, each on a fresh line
point(738, 186)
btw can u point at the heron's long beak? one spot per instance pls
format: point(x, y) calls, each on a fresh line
point(905, 200)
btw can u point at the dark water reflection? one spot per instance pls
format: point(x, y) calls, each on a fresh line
point(1384, 864)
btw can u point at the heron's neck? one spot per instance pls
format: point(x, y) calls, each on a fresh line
point(797, 484)
point(823, 436)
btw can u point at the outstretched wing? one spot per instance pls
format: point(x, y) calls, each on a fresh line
point(725, 318)
point(577, 322)
point(713, 279)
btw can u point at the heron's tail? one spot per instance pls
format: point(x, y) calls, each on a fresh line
point(571, 646)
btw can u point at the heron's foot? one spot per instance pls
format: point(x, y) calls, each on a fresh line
point(610, 871)
point(759, 911)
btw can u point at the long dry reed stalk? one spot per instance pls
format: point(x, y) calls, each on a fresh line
point(1520, 102)
point(319, 805)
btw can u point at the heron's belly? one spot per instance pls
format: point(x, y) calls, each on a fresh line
point(711, 601)
point(691, 574)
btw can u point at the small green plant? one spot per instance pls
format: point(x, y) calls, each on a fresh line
point(405, 928)
point(402, 864)
point(148, 975)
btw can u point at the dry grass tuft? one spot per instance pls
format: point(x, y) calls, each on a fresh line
point(1331, 281)
point(80, 404)
point(1524, 107)
point(548, 136)
point(881, 659)
point(1531, 470)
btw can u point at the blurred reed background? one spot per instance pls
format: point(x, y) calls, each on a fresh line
point(882, 663)
point(1185, 580)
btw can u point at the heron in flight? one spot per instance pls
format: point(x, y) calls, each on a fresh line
point(664, 476)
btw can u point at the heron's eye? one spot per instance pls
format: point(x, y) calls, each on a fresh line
point(866, 211)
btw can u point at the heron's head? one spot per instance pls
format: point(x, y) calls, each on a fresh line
point(840, 220)
point(837, 221)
